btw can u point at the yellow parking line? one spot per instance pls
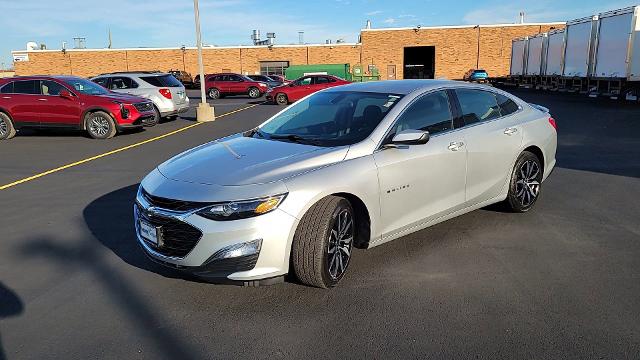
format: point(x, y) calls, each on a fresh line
point(48, 172)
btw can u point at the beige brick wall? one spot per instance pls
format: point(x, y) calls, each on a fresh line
point(456, 51)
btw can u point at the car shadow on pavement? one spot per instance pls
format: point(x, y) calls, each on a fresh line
point(10, 305)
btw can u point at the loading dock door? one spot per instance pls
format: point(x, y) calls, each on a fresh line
point(419, 62)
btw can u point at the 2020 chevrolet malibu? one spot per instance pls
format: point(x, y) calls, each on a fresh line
point(351, 166)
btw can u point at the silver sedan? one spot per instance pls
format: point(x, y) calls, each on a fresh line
point(349, 167)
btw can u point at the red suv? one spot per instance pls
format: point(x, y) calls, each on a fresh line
point(68, 101)
point(296, 90)
point(219, 85)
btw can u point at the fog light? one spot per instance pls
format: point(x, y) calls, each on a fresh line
point(238, 250)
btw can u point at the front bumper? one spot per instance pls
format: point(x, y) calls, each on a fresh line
point(274, 230)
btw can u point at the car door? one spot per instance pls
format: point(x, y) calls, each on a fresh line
point(301, 88)
point(237, 85)
point(123, 85)
point(422, 182)
point(493, 137)
point(221, 82)
point(56, 110)
point(23, 99)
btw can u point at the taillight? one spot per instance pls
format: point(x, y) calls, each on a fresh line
point(552, 121)
point(166, 93)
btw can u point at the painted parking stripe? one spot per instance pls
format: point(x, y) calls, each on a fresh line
point(49, 172)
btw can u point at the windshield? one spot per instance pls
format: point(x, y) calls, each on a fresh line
point(330, 118)
point(86, 87)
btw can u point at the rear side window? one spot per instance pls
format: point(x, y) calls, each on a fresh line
point(7, 89)
point(477, 105)
point(430, 113)
point(26, 87)
point(120, 83)
point(50, 88)
point(507, 106)
point(162, 81)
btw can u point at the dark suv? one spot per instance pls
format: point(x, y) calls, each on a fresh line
point(68, 101)
point(219, 85)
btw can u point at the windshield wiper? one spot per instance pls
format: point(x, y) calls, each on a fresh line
point(295, 138)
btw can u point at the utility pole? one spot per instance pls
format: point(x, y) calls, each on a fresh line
point(110, 44)
point(204, 112)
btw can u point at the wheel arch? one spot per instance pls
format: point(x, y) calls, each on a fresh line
point(362, 217)
point(83, 123)
point(535, 150)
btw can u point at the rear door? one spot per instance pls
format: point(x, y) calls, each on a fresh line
point(54, 109)
point(123, 85)
point(23, 99)
point(493, 137)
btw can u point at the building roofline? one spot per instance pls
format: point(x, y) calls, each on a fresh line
point(463, 26)
point(190, 48)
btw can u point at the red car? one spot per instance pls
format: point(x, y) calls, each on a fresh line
point(68, 101)
point(219, 85)
point(296, 90)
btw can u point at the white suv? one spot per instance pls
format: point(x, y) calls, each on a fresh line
point(168, 95)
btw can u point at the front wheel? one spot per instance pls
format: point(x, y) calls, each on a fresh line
point(156, 118)
point(526, 180)
point(323, 242)
point(100, 125)
point(7, 130)
point(254, 93)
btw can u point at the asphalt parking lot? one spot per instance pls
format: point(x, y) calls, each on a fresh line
point(562, 281)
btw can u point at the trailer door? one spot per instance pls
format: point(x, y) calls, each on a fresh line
point(613, 45)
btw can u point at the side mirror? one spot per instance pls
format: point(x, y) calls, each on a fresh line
point(65, 94)
point(410, 137)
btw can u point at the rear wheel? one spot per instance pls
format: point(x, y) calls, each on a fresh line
point(323, 242)
point(254, 93)
point(281, 99)
point(526, 179)
point(100, 125)
point(213, 93)
point(7, 131)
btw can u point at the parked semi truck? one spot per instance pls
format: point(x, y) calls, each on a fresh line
point(597, 55)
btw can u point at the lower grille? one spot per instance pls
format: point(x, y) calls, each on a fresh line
point(178, 238)
point(144, 107)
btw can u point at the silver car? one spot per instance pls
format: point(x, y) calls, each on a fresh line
point(351, 166)
point(168, 95)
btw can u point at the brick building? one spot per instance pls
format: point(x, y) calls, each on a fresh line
point(421, 52)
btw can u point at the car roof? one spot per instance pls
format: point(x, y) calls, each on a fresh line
point(402, 87)
point(43, 77)
point(131, 73)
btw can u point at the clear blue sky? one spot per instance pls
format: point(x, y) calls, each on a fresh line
point(160, 23)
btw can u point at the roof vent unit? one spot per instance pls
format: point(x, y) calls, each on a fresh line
point(32, 45)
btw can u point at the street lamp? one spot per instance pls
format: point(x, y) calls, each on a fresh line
point(204, 112)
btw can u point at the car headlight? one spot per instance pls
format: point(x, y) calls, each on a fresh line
point(235, 210)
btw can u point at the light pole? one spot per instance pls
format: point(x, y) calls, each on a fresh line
point(204, 112)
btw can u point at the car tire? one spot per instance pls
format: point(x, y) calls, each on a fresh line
point(7, 130)
point(213, 93)
point(323, 242)
point(100, 125)
point(525, 183)
point(281, 99)
point(156, 118)
point(254, 92)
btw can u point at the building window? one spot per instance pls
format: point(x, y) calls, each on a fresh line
point(273, 67)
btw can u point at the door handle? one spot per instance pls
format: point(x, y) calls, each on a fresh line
point(42, 99)
point(455, 146)
point(6, 97)
point(510, 131)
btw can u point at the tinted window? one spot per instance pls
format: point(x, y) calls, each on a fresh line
point(7, 89)
point(235, 78)
point(102, 81)
point(120, 83)
point(26, 87)
point(162, 81)
point(429, 113)
point(50, 88)
point(507, 106)
point(322, 80)
point(331, 118)
point(477, 105)
point(304, 81)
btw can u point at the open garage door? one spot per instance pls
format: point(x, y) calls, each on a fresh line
point(419, 62)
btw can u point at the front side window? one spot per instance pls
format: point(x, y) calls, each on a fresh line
point(322, 80)
point(104, 82)
point(50, 88)
point(431, 113)
point(26, 87)
point(235, 78)
point(330, 118)
point(122, 83)
point(477, 105)
point(7, 89)
point(304, 81)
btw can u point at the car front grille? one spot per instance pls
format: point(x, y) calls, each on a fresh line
point(144, 107)
point(178, 238)
point(170, 204)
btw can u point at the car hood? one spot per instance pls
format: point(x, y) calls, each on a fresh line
point(240, 160)
point(125, 98)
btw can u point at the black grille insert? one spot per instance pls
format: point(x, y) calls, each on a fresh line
point(143, 107)
point(178, 238)
point(170, 204)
